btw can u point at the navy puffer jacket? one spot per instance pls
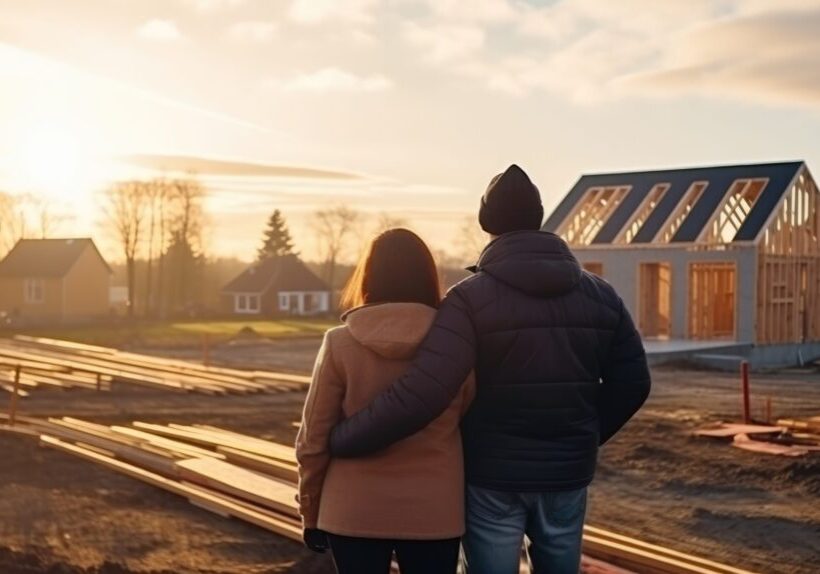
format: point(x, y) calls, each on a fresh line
point(559, 368)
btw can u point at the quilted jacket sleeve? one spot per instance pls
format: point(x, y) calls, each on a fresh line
point(442, 364)
point(625, 378)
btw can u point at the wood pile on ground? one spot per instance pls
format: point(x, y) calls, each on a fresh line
point(788, 437)
point(251, 479)
point(27, 363)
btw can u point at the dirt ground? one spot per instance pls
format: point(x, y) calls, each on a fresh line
point(61, 515)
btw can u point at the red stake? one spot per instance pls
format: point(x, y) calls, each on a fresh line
point(13, 398)
point(744, 381)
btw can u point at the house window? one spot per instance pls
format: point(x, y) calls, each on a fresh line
point(591, 213)
point(284, 301)
point(594, 267)
point(736, 206)
point(653, 198)
point(33, 290)
point(246, 303)
point(670, 228)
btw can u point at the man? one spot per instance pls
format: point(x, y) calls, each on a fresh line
point(559, 366)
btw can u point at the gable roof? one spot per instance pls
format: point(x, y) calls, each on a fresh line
point(284, 273)
point(41, 258)
point(719, 180)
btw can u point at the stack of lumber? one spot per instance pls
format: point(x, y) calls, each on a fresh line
point(809, 426)
point(64, 364)
point(244, 477)
point(788, 438)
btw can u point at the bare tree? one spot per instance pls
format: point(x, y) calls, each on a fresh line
point(12, 220)
point(187, 216)
point(334, 227)
point(157, 193)
point(125, 209)
point(471, 240)
point(385, 221)
point(163, 214)
point(47, 220)
point(185, 219)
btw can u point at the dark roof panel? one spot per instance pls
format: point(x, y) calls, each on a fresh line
point(41, 258)
point(285, 273)
point(719, 179)
point(623, 213)
point(661, 213)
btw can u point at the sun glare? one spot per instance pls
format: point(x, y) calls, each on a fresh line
point(54, 161)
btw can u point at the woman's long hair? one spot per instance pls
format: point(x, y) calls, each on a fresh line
point(397, 267)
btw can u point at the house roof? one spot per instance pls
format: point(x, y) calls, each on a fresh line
point(284, 273)
point(38, 258)
point(640, 184)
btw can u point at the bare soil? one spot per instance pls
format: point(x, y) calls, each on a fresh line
point(61, 515)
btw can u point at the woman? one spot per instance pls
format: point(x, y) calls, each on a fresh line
point(408, 499)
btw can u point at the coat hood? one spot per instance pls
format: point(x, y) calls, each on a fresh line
point(392, 330)
point(539, 263)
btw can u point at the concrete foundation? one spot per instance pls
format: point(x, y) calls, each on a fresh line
point(727, 356)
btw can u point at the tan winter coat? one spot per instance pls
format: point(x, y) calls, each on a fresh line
point(412, 490)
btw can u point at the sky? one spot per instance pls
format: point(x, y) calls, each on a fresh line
point(406, 107)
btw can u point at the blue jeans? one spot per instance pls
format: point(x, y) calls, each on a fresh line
point(497, 522)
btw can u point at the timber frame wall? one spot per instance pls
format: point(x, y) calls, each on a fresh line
point(788, 274)
point(762, 290)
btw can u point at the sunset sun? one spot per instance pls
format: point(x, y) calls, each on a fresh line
point(54, 161)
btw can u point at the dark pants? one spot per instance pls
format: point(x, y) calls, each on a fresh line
point(373, 555)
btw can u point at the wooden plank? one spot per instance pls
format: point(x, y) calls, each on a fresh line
point(609, 536)
point(182, 450)
point(248, 444)
point(638, 560)
point(743, 441)
point(230, 490)
point(730, 430)
point(245, 378)
point(136, 455)
point(223, 504)
point(241, 483)
point(272, 467)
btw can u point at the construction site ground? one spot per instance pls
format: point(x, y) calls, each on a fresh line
point(655, 482)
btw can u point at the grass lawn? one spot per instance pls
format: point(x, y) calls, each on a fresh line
point(178, 333)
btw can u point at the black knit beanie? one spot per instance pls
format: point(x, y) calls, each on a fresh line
point(511, 203)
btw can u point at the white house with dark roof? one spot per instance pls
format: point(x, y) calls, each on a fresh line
point(277, 286)
point(726, 255)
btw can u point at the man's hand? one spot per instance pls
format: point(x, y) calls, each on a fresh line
point(315, 539)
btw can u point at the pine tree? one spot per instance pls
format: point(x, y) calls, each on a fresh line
point(277, 240)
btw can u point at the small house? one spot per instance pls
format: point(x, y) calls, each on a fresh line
point(54, 280)
point(277, 286)
point(725, 254)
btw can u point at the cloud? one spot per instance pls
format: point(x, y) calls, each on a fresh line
point(207, 6)
point(320, 11)
point(487, 11)
point(444, 44)
point(337, 80)
point(718, 60)
point(159, 30)
point(252, 31)
point(595, 50)
point(225, 167)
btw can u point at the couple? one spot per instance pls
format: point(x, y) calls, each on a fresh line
point(476, 416)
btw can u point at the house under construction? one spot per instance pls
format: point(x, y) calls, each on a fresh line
point(707, 257)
